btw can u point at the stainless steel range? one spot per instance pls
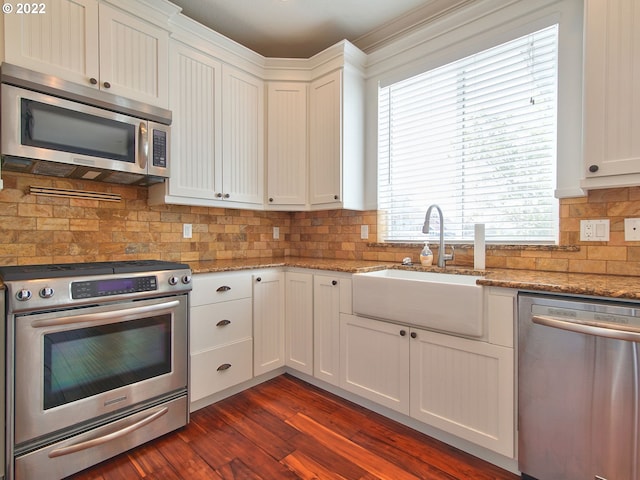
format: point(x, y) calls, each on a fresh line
point(97, 361)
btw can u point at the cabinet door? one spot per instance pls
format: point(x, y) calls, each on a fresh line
point(268, 321)
point(464, 387)
point(62, 42)
point(196, 141)
point(611, 98)
point(287, 144)
point(374, 358)
point(325, 139)
point(299, 321)
point(134, 57)
point(326, 328)
point(243, 137)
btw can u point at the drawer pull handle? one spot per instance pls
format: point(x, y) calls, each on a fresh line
point(224, 366)
point(223, 323)
point(223, 288)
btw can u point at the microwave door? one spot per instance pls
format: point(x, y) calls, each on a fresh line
point(57, 130)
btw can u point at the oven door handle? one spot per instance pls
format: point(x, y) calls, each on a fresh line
point(113, 316)
point(94, 442)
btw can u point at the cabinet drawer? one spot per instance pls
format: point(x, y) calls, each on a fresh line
point(210, 373)
point(220, 323)
point(220, 287)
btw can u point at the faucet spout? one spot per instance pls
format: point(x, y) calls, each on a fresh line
point(442, 257)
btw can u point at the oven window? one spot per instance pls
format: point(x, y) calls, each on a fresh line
point(88, 361)
point(57, 128)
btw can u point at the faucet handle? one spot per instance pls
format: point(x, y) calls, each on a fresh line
point(449, 256)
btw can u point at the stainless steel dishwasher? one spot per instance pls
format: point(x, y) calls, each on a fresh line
point(578, 392)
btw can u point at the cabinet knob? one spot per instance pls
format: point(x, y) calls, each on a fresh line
point(414, 335)
point(336, 197)
point(223, 323)
point(334, 282)
point(218, 195)
point(106, 85)
point(223, 367)
point(226, 195)
point(93, 81)
point(594, 168)
point(403, 333)
point(271, 199)
point(259, 279)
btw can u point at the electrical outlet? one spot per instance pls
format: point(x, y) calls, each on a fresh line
point(364, 232)
point(594, 230)
point(631, 229)
point(276, 233)
point(187, 230)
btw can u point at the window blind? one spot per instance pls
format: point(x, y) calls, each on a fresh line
point(478, 138)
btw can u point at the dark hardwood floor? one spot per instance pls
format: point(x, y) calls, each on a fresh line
point(288, 429)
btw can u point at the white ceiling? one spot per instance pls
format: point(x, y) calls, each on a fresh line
point(302, 28)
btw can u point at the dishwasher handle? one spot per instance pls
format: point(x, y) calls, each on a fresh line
point(599, 330)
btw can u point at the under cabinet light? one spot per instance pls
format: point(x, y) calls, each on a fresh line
point(69, 193)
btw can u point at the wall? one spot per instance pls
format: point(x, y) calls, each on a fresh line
point(38, 229)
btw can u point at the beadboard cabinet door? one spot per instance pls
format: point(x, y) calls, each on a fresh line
point(268, 321)
point(611, 94)
point(326, 328)
point(325, 140)
point(134, 57)
point(242, 138)
point(196, 102)
point(299, 321)
point(62, 42)
point(464, 387)
point(95, 45)
point(287, 145)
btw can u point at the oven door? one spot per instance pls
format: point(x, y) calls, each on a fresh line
point(75, 368)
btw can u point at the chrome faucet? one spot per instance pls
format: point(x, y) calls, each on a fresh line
point(442, 257)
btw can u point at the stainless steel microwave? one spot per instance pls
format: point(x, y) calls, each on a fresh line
point(75, 132)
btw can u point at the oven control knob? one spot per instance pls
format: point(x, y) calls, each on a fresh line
point(186, 279)
point(173, 280)
point(23, 295)
point(46, 292)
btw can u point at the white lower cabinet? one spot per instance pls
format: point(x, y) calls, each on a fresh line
point(461, 386)
point(221, 341)
point(299, 321)
point(375, 361)
point(464, 387)
point(326, 328)
point(268, 321)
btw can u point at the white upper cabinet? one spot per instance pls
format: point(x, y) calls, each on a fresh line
point(336, 140)
point(242, 169)
point(196, 146)
point(287, 162)
point(611, 95)
point(92, 44)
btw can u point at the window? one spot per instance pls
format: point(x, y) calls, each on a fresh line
point(478, 138)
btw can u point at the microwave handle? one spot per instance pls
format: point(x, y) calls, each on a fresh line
point(143, 145)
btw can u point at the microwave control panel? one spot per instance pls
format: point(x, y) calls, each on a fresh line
point(159, 148)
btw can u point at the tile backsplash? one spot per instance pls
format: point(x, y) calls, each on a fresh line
point(40, 229)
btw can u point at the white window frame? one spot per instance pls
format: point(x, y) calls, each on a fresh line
point(482, 25)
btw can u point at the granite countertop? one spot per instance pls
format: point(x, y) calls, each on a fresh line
point(599, 285)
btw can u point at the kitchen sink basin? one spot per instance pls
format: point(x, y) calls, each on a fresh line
point(441, 301)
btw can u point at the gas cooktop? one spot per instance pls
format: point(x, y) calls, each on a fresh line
point(32, 272)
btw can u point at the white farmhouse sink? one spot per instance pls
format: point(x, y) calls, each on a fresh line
point(441, 301)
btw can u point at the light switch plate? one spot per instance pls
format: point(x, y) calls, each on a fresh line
point(632, 229)
point(276, 233)
point(594, 230)
point(187, 230)
point(364, 232)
